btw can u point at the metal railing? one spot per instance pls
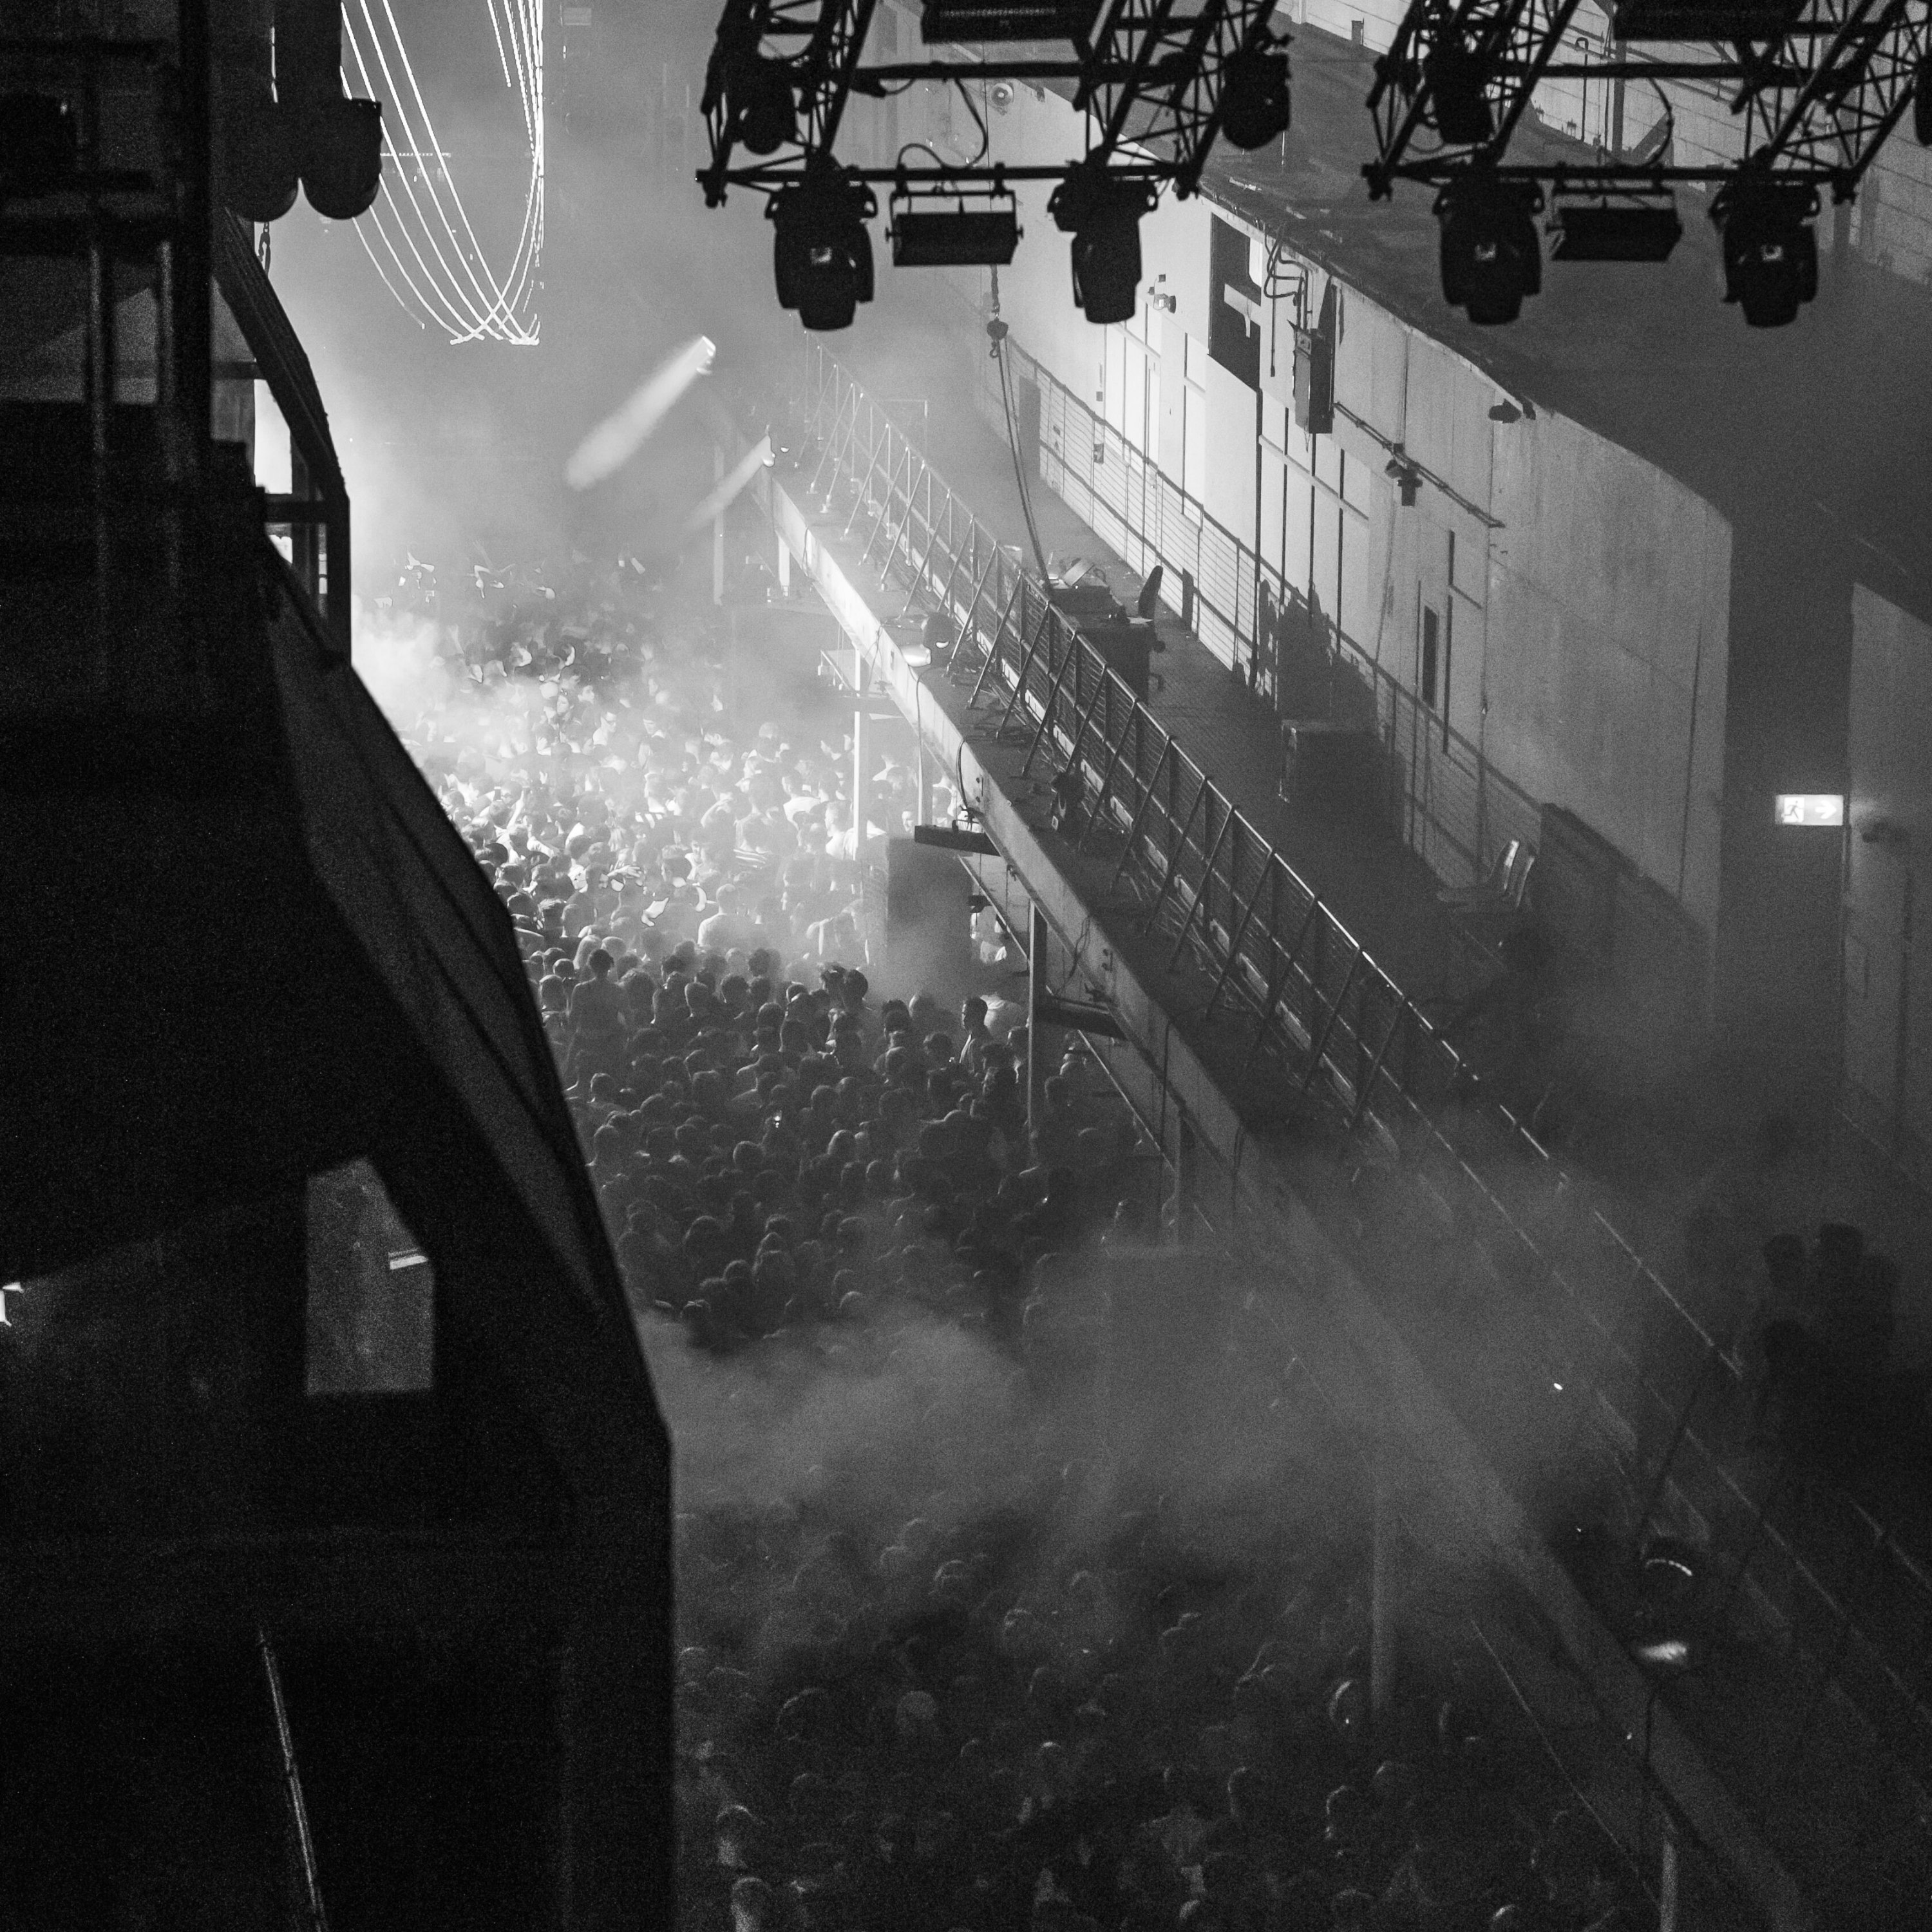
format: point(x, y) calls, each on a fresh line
point(315, 513)
point(1450, 804)
point(1830, 1589)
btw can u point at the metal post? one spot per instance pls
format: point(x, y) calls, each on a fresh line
point(1140, 811)
point(193, 321)
point(1241, 932)
point(1067, 663)
point(1037, 989)
point(1229, 817)
point(1115, 746)
point(1384, 1586)
point(1186, 1181)
point(1321, 1043)
point(1175, 853)
point(99, 376)
point(999, 630)
point(1368, 1085)
point(1277, 984)
point(862, 779)
point(1086, 719)
point(1019, 694)
point(718, 528)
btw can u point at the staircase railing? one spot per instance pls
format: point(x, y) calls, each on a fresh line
point(1842, 1599)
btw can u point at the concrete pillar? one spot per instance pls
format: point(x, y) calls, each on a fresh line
point(1186, 1182)
point(1037, 985)
point(863, 758)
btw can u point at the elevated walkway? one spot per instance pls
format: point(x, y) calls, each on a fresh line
point(1379, 890)
point(1577, 1406)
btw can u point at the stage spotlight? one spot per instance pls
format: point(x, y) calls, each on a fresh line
point(1456, 79)
point(1102, 213)
point(1255, 101)
point(760, 94)
point(1491, 258)
point(1770, 249)
point(821, 252)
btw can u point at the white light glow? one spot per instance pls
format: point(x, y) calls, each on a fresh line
point(621, 433)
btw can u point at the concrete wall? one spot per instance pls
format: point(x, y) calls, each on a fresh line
point(1888, 880)
point(1578, 595)
point(1609, 590)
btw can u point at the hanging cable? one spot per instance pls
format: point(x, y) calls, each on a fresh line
point(1019, 467)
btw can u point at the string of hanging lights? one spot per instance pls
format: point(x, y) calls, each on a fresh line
point(418, 234)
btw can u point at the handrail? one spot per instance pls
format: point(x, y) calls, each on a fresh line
point(1502, 809)
point(319, 496)
point(1651, 1375)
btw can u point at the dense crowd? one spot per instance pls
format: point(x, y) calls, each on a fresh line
point(940, 1669)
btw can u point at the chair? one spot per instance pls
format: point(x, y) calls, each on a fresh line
point(1493, 890)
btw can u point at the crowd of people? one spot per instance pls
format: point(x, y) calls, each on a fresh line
point(910, 1696)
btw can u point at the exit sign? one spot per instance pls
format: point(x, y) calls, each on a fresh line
point(1810, 808)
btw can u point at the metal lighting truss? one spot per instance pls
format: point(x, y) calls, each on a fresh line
point(1816, 103)
point(1149, 76)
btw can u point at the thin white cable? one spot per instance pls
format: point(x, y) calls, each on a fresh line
point(493, 297)
point(419, 144)
point(501, 55)
point(452, 296)
point(489, 306)
point(376, 261)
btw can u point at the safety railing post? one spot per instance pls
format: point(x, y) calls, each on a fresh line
point(1116, 744)
point(1017, 698)
point(1069, 661)
point(1149, 783)
point(1238, 937)
point(1229, 817)
point(1368, 1079)
point(1320, 1046)
point(1086, 718)
point(1176, 848)
point(1283, 970)
point(993, 643)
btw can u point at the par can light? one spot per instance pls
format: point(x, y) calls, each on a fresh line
point(927, 235)
point(1627, 231)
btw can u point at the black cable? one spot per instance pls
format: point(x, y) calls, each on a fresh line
point(1019, 468)
point(979, 120)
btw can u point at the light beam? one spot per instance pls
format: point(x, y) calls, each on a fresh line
point(735, 478)
point(621, 434)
